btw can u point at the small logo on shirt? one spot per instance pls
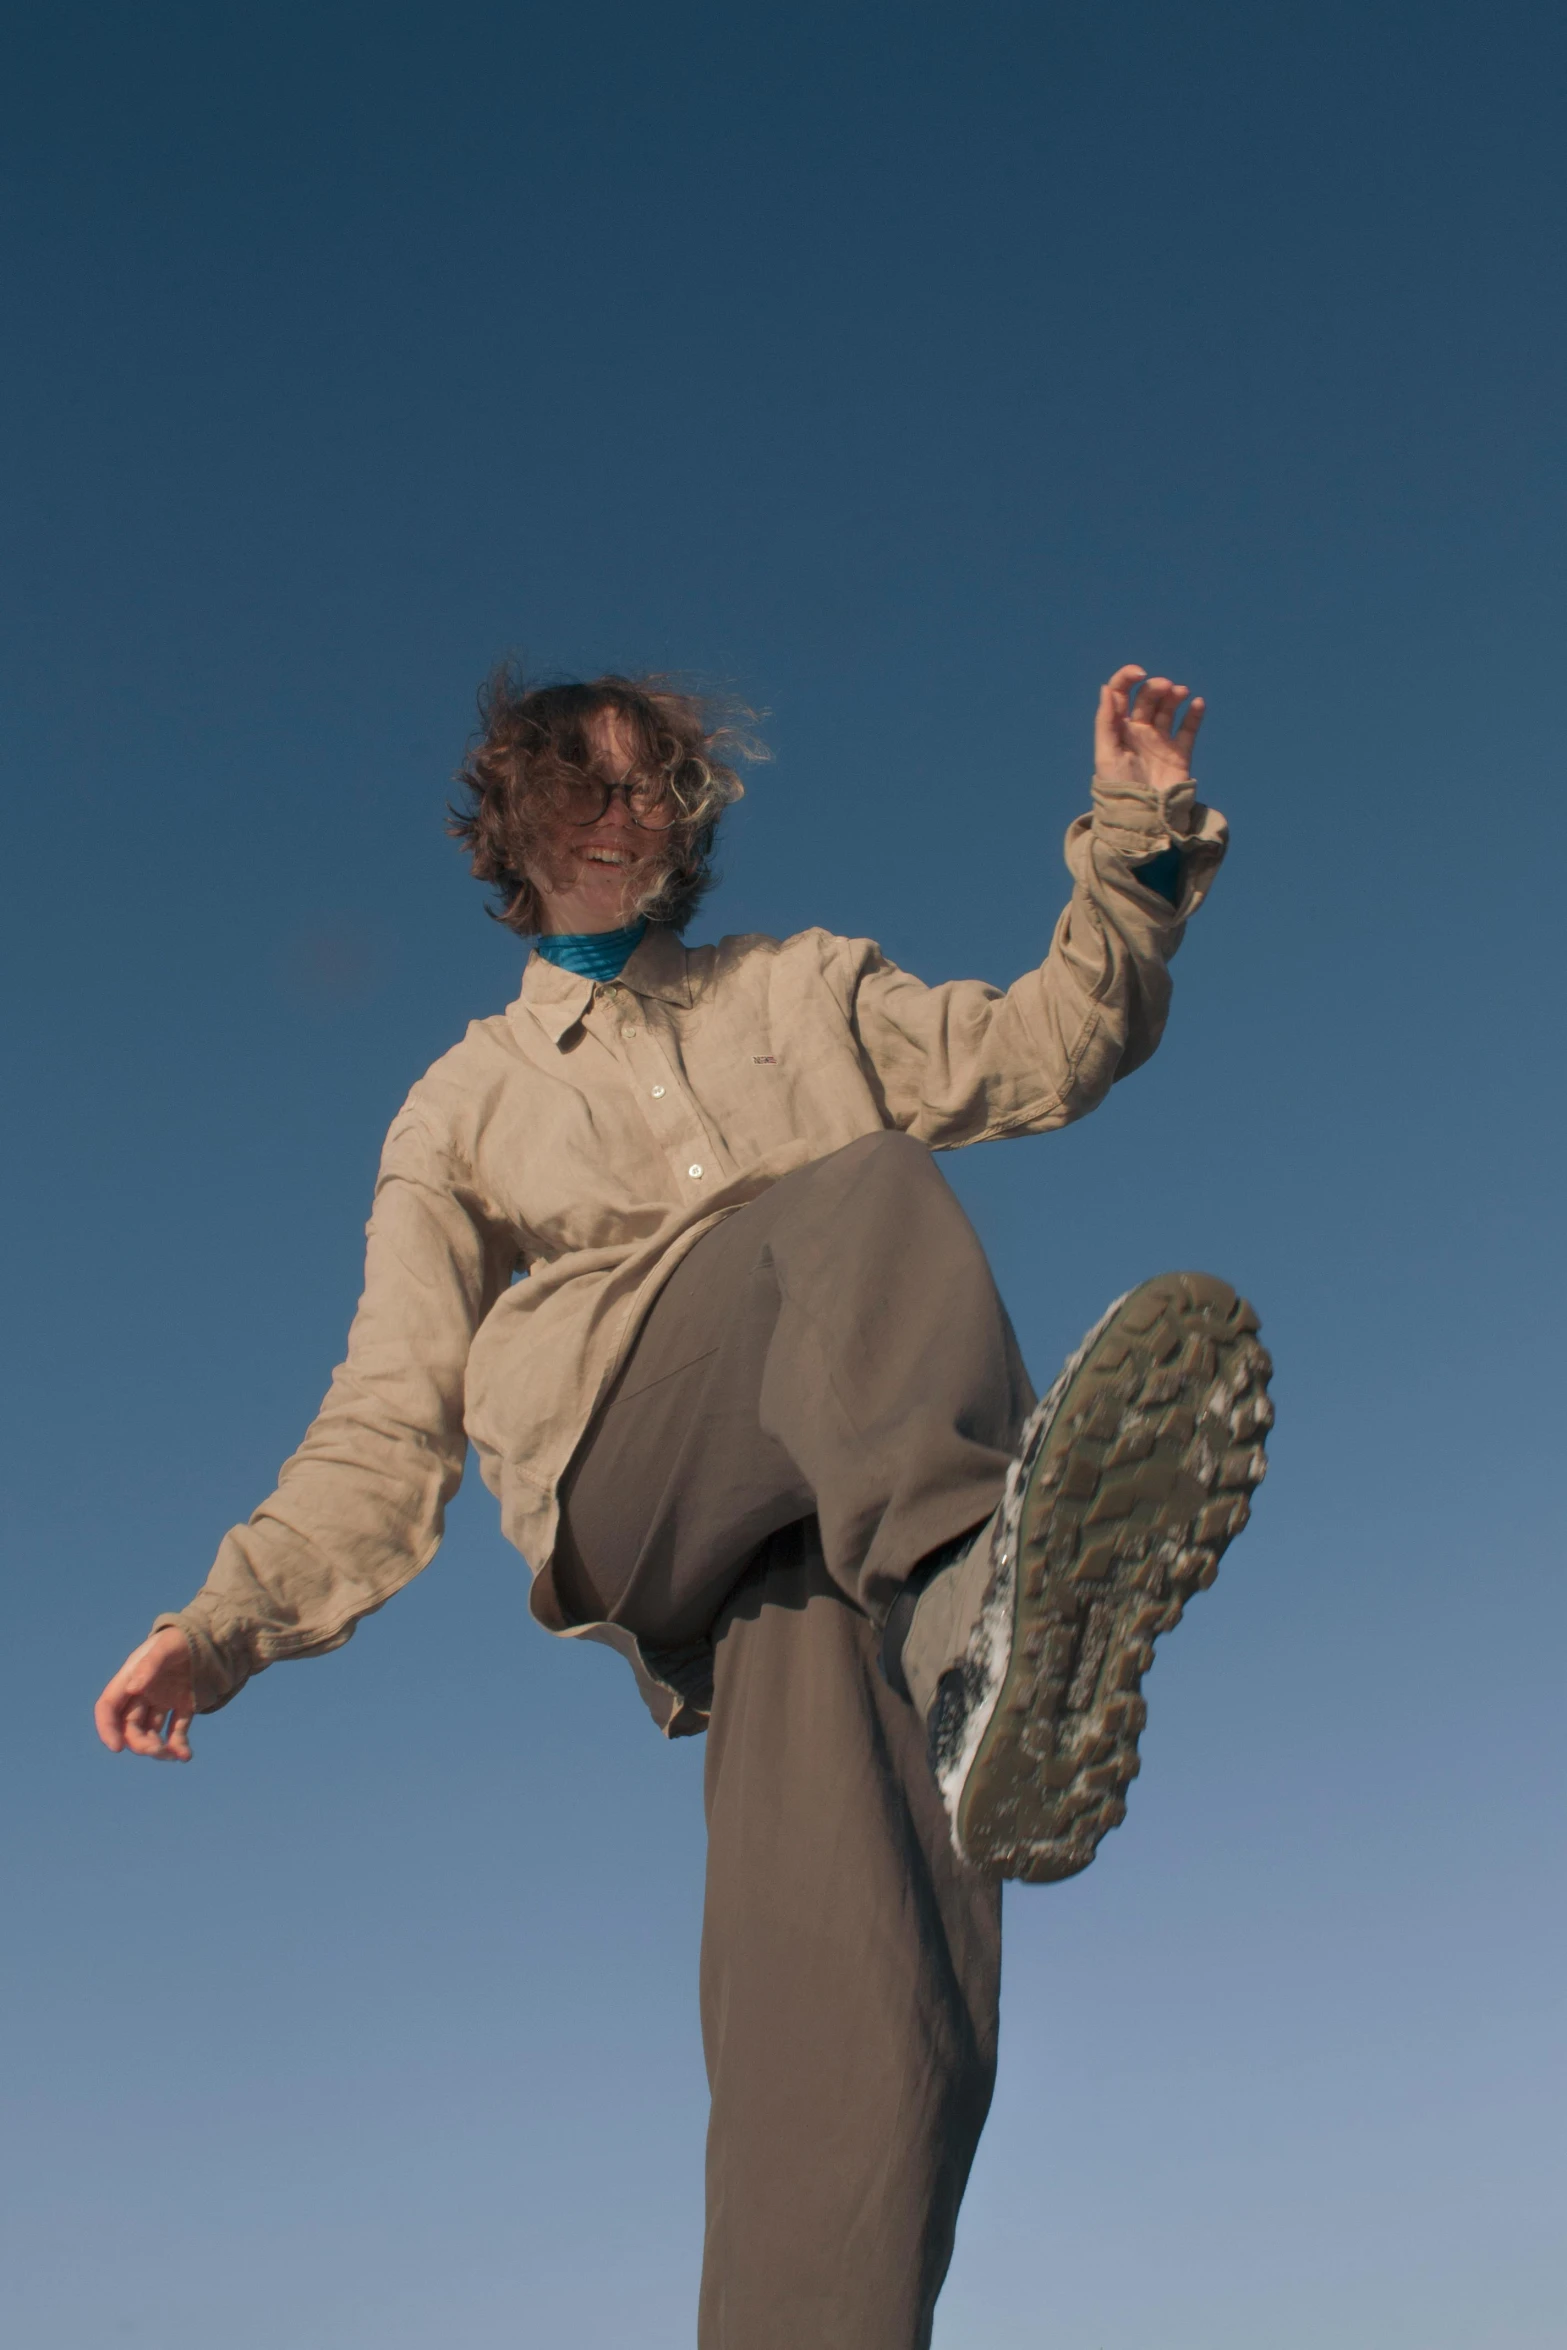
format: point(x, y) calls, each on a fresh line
point(771, 1059)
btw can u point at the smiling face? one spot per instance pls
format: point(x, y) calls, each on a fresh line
point(591, 876)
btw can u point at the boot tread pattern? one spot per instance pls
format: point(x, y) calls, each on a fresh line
point(1134, 1474)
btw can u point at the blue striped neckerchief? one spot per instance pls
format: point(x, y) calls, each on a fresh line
point(597, 954)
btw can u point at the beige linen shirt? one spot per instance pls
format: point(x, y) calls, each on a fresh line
point(547, 1174)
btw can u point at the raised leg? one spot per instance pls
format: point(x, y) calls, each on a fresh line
point(837, 1349)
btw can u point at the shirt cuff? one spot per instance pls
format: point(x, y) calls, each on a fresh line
point(1134, 828)
point(219, 1667)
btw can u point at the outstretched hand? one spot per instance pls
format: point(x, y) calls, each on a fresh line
point(1137, 740)
point(149, 1704)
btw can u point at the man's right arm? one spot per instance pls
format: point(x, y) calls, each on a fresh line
point(359, 1508)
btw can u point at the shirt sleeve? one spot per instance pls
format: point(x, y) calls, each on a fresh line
point(359, 1508)
point(962, 1062)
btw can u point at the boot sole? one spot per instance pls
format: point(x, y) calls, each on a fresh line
point(1134, 1474)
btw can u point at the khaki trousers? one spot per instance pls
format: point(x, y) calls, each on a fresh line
point(827, 1390)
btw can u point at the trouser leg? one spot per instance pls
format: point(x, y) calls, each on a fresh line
point(835, 1349)
point(835, 1352)
point(850, 1969)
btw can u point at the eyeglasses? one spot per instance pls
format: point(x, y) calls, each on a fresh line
point(649, 800)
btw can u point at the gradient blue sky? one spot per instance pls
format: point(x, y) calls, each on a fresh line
point(905, 368)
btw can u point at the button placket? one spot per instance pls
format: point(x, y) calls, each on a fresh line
point(677, 1122)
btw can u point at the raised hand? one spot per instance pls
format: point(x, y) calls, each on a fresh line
point(149, 1704)
point(1136, 739)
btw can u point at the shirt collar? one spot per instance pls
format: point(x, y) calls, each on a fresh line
point(660, 967)
point(558, 999)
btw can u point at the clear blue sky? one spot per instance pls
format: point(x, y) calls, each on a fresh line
point(904, 368)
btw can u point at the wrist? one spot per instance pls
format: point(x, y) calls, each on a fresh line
point(217, 1672)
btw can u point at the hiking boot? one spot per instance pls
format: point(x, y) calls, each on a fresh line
point(1026, 1653)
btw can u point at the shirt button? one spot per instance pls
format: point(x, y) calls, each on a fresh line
point(631, 1032)
point(658, 1093)
point(695, 1174)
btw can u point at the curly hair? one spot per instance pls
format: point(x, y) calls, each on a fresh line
point(536, 739)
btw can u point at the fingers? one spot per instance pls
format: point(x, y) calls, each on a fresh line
point(113, 1710)
point(143, 1728)
point(148, 1706)
point(1156, 705)
point(1145, 728)
point(1187, 732)
point(1116, 693)
point(1110, 719)
point(107, 1718)
point(145, 1732)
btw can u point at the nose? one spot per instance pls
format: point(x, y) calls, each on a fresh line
point(617, 817)
point(616, 821)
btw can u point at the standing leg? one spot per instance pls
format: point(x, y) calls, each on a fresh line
point(850, 1971)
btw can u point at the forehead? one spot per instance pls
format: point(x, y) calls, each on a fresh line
point(611, 737)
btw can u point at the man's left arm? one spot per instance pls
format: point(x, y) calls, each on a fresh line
point(964, 1061)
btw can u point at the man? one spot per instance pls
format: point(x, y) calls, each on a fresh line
point(665, 1241)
